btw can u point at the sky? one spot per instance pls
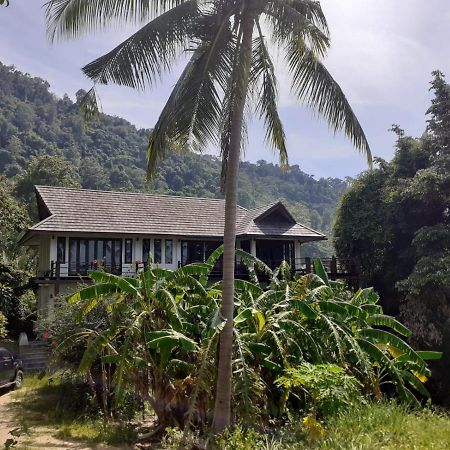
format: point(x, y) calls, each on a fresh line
point(382, 54)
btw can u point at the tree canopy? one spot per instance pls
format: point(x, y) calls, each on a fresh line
point(396, 221)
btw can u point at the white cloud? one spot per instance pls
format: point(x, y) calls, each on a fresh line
point(382, 54)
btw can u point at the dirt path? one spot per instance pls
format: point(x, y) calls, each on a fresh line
point(35, 438)
point(6, 421)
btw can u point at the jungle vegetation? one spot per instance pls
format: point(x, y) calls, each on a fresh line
point(395, 220)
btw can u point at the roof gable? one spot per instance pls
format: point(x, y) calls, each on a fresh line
point(276, 211)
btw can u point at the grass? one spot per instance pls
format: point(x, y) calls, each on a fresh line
point(57, 403)
point(376, 426)
point(388, 426)
point(48, 402)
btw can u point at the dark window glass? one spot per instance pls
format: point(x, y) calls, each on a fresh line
point(61, 253)
point(157, 251)
point(210, 247)
point(184, 253)
point(101, 251)
point(108, 253)
point(169, 251)
point(128, 251)
point(84, 257)
point(117, 256)
point(73, 243)
point(145, 250)
point(245, 245)
point(92, 251)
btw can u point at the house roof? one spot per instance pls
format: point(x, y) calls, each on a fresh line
point(71, 210)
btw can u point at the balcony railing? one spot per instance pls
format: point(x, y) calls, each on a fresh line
point(336, 268)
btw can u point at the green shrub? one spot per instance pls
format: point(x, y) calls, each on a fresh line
point(326, 387)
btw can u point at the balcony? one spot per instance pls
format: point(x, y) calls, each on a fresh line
point(335, 268)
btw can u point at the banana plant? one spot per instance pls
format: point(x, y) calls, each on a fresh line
point(163, 326)
point(315, 320)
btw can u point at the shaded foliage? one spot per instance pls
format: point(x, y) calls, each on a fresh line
point(396, 220)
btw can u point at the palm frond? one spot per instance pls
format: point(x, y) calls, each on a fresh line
point(292, 20)
point(142, 58)
point(262, 75)
point(313, 84)
point(72, 18)
point(191, 116)
point(312, 10)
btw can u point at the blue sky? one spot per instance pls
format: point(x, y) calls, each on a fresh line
point(382, 54)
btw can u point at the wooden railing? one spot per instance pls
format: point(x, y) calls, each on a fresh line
point(336, 268)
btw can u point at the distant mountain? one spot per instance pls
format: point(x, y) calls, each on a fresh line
point(110, 154)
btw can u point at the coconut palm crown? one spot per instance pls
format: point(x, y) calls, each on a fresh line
point(229, 73)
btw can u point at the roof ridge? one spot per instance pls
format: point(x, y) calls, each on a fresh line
point(102, 191)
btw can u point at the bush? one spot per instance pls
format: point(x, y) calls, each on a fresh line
point(3, 324)
point(326, 388)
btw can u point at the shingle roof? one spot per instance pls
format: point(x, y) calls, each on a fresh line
point(88, 211)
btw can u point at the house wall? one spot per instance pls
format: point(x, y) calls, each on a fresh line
point(47, 291)
point(48, 252)
point(44, 255)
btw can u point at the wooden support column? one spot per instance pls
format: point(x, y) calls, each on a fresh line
point(253, 247)
point(308, 265)
point(297, 255)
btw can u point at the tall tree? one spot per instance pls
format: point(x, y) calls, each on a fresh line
point(404, 247)
point(230, 71)
point(48, 171)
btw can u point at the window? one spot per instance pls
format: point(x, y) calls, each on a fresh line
point(90, 254)
point(169, 251)
point(157, 251)
point(145, 250)
point(128, 251)
point(61, 250)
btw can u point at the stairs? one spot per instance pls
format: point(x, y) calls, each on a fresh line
point(34, 356)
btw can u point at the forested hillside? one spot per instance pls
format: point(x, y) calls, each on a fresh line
point(110, 154)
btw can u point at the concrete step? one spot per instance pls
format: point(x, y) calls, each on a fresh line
point(34, 367)
point(35, 352)
point(34, 358)
point(35, 355)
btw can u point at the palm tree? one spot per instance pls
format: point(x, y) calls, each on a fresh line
point(230, 70)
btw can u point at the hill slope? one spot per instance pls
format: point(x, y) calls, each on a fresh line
point(110, 154)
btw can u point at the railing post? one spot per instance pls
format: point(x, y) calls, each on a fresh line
point(308, 265)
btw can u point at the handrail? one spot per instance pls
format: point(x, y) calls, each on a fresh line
point(332, 265)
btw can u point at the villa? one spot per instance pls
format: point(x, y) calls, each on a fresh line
point(83, 229)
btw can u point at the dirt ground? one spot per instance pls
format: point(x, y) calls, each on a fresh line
point(35, 438)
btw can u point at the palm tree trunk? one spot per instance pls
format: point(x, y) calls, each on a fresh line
point(222, 407)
